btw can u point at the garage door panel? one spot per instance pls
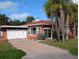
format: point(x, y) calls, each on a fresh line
point(16, 34)
point(20, 34)
point(11, 34)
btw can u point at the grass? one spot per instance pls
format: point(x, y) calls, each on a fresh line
point(71, 45)
point(7, 51)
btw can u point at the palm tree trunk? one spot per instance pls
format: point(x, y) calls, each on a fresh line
point(57, 31)
point(52, 28)
point(67, 28)
point(74, 30)
point(62, 23)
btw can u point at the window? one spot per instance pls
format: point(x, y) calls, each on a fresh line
point(28, 31)
point(33, 30)
point(47, 33)
point(38, 30)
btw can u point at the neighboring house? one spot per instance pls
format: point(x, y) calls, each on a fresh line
point(28, 30)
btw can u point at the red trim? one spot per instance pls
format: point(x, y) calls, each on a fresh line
point(41, 29)
point(4, 33)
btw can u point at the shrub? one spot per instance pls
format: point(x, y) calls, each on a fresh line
point(40, 36)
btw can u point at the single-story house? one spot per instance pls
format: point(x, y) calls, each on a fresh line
point(27, 31)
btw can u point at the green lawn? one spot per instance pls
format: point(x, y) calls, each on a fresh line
point(71, 45)
point(9, 52)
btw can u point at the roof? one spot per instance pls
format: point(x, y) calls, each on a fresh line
point(6, 26)
point(41, 22)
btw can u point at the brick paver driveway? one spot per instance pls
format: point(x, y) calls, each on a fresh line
point(37, 50)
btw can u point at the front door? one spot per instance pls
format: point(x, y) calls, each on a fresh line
point(47, 32)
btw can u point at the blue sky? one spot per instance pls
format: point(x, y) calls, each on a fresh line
point(20, 9)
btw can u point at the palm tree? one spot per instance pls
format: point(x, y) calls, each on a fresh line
point(60, 8)
point(74, 16)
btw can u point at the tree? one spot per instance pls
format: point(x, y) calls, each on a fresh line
point(60, 9)
point(23, 22)
point(52, 6)
point(15, 22)
point(30, 19)
point(74, 17)
point(3, 19)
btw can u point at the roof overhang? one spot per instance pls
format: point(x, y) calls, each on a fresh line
point(6, 26)
point(41, 22)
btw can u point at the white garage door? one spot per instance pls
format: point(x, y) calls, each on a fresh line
point(16, 34)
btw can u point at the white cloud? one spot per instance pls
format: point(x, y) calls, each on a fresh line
point(8, 5)
point(75, 1)
point(19, 16)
